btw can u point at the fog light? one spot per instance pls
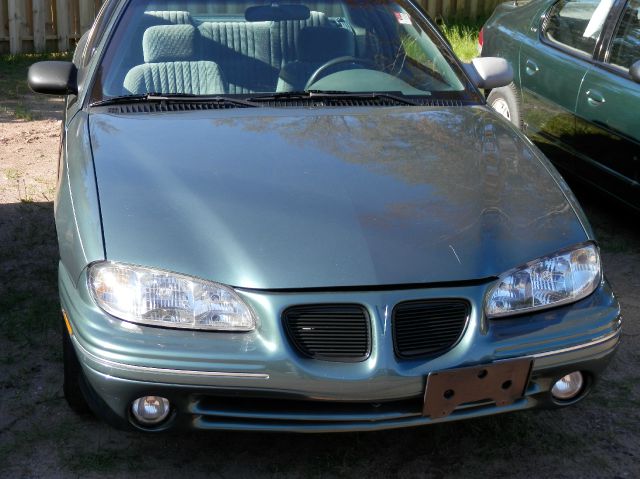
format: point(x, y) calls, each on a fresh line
point(150, 409)
point(568, 387)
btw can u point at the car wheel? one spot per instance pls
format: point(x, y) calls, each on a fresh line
point(72, 376)
point(506, 101)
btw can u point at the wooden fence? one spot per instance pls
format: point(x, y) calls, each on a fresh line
point(55, 25)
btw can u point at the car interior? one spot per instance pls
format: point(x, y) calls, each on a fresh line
point(625, 50)
point(577, 24)
point(273, 48)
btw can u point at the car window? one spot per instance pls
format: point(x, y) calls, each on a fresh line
point(95, 34)
point(577, 24)
point(243, 47)
point(625, 49)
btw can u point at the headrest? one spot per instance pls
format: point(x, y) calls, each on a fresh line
point(176, 17)
point(320, 44)
point(169, 43)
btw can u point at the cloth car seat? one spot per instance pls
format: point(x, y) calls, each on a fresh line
point(171, 64)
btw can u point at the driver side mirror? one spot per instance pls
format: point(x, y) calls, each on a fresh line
point(489, 72)
point(634, 71)
point(53, 78)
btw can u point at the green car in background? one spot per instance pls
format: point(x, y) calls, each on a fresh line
point(304, 217)
point(576, 91)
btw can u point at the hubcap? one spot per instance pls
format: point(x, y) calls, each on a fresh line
point(501, 107)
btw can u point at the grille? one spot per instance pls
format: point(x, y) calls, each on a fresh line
point(338, 332)
point(425, 328)
point(358, 102)
point(148, 107)
point(177, 105)
point(274, 413)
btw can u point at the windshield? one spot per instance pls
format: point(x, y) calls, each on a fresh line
point(240, 48)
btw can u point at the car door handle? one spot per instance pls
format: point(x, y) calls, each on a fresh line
point(531, 67)
point(595, 98)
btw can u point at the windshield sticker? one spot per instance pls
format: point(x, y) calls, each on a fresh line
point(403, 18)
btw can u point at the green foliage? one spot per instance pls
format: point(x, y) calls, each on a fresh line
point(13, 71)
point(29, 307)
point(463, 36)
point(13, 81)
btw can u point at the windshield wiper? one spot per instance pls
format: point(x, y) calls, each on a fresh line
point(172, 97)
point(255, 100)
point(337, 95)
point(120, 99)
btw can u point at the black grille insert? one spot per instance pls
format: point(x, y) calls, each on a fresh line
point(328, 102)
point(428, 327)
point(331, 332)
point(175, 105)
point(171, 106)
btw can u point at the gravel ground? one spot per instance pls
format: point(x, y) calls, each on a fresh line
point(41, 437)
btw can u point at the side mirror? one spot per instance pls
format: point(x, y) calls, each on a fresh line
point(634, 71)
point(489, 72)
point(53, 78)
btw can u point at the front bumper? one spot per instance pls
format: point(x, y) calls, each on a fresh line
point(257, 381)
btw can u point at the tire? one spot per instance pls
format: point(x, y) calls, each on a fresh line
point(72, 376)
point(506, 102)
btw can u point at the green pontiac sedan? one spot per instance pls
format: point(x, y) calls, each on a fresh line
point(576, 91)
point(305, 217)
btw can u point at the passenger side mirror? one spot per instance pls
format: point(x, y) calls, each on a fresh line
point(634, 71)
point(53, 78)
point(489, 72)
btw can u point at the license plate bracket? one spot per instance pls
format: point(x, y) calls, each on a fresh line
point(502, 382)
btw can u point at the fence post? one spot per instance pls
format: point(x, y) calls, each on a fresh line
point(446, 8)
point(87, 14)
point(62, 24)
point(432, 8)
point(39, 34)
point(15, 27)
point(2, 21)
point(489, 7)
point(473, 10)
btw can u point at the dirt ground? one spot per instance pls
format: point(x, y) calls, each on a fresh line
point(41, 437)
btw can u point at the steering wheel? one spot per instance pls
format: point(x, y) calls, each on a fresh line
point(337, 61)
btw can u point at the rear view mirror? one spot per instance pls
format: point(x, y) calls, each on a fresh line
point(634, 71)
point(277, 12)
point(489, 72)
point(53, 78)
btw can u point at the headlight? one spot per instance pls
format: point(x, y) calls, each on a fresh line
point(159, 298)
point(559, 279)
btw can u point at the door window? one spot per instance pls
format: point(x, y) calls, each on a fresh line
point(625, 48)
point(577, 24)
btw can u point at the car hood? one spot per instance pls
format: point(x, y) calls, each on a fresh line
point(310, 198)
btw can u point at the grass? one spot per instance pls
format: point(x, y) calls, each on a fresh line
point(13, 81)
point(22, 112)
point(13, 71)
point(25, 441)
point(12, 174)
point(28, 301)
point(26, 320)
point(463, 36)
point(103, 461)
